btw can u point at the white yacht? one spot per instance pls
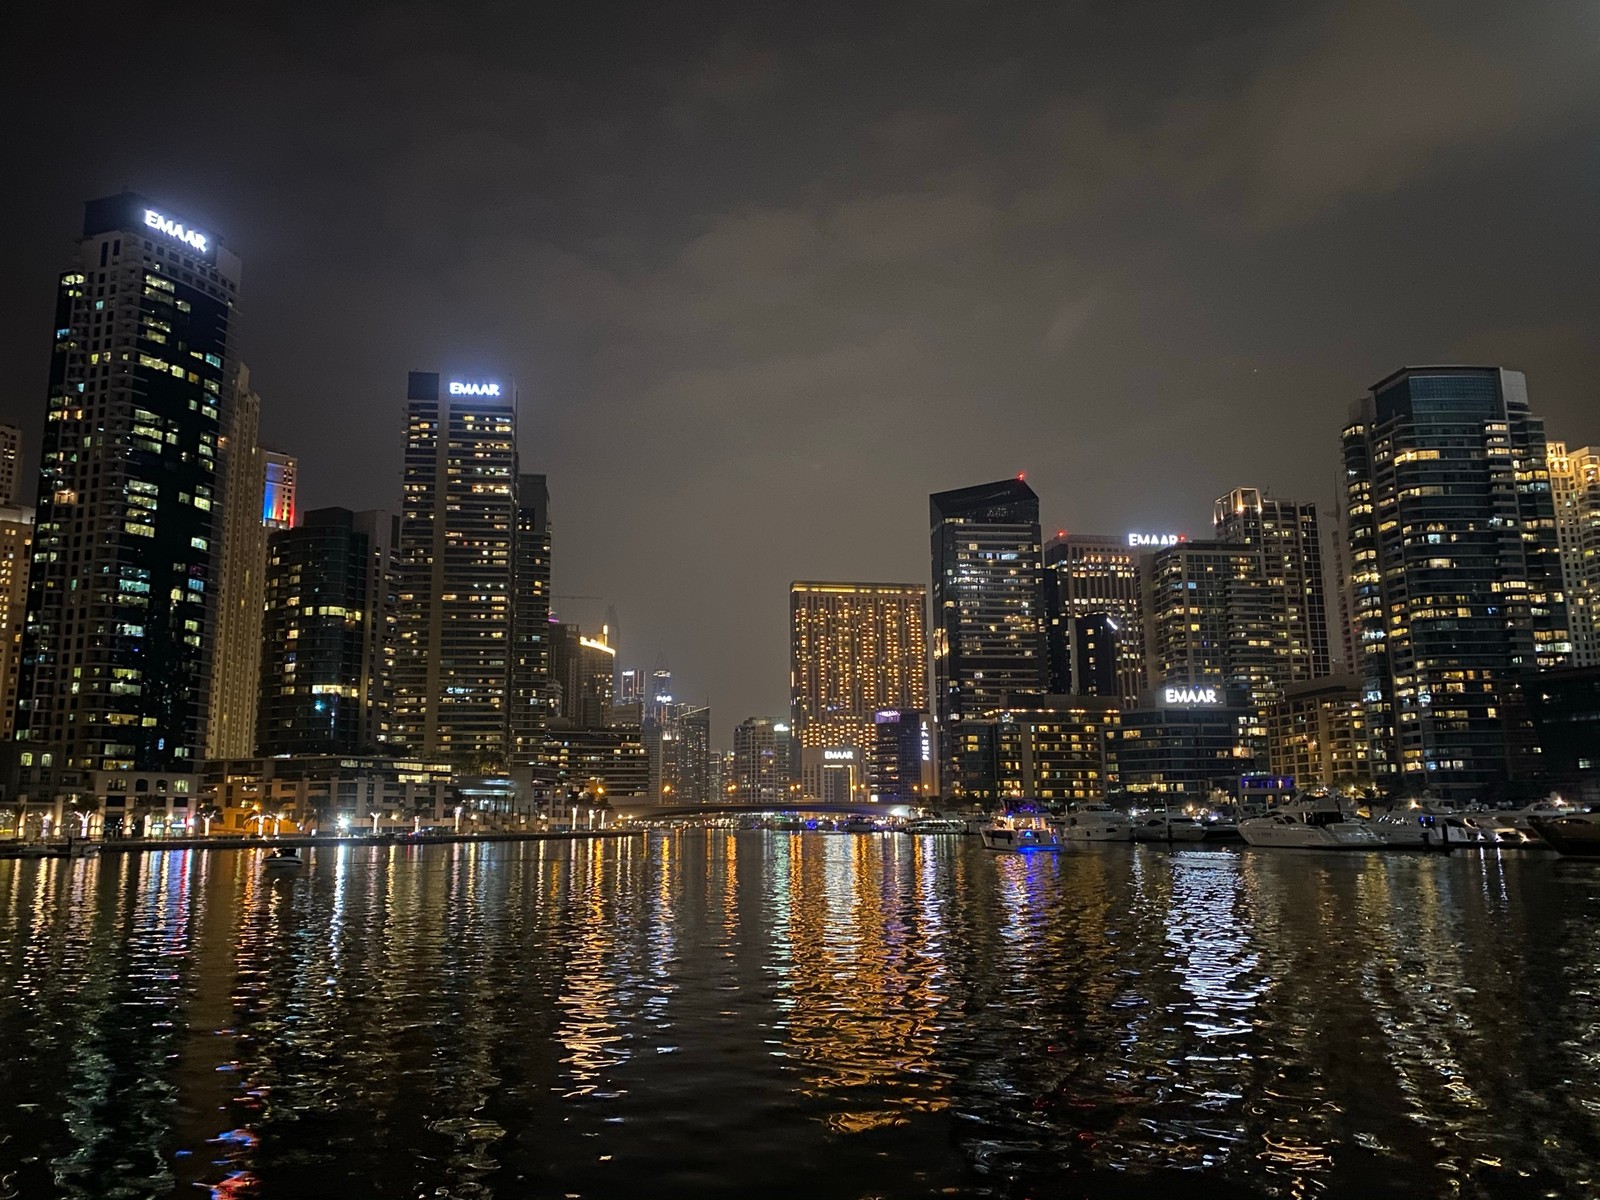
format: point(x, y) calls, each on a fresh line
point(1094, 823)
point(1404, 827)
point(927, 825)
point(1019, 832)
point(1310, 825)
point(1168, 827)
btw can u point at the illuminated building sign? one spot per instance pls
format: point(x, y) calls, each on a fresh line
point(173, 229)
point(457, 388)
point(1156, 539)
point(1190, 695)
point(887, 716)
point(838, 756)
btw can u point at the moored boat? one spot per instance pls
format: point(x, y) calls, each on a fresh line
point(1309, 825)
point(1168, 827)
point(931, 825)
point(285, 860)
point(1020, 832)
point(1094, 823)
point(1576, 835)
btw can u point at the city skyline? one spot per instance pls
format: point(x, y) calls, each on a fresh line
point(946, 251)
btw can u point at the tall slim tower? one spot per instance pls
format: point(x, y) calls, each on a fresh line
point(236, 664)
point(16, 541)
point(278, 497)
point(988, 617)
point(122, 605)
point(458, 526)
point(854, 648)
point(1455, 575)
point(1089, 575)
point(530, 662)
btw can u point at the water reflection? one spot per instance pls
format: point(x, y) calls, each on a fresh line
point(822, 1015)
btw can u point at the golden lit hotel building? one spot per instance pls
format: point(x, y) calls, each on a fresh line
point(855, 649)
point(1575, 485)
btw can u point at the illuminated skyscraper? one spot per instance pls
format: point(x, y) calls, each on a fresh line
point(458, 523)
point(1455, 572)
point(16, 541)
point(1087, 575)
point(1575, 483)
point(1289, 539)
point(988, 617)
point(760, 761)
point(278, 494)
point(236, 663)
point(899, 760)
point(10, 463)
point(854, 649)
point(127, 553)
point(323, 653)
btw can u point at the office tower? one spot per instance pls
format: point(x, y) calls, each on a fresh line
point(10, 463)
point(1212, 618)
point(854, 648)
point(236, 662)
point(1455, 570)
point(760, 761)
point(899, 761)
point(581, 674)
point(1317, 734)
point(1088, 574)
point(16, 541)
point(988, 615)
point(455, 572)
point(660, 690)
point(679, 748)
point(1288, 537)
point(1179, 747)
point(1575, 485)
point(278, 491)
point(1094, 643)
point(530, 663)
point(631, 686)
point(122, 604)
point(323, 650)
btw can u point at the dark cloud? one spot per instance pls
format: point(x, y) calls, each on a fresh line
point(767, 275)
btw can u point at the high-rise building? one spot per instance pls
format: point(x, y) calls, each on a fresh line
point(1088, 575)
point(236, 662)
point(1181, 745)
point(10, 464)
point(324, 649)
point(854, 649)
point(680, 751)
point(278, 489)
point(1211, 618)
point(899, 762)
point(988, 616)
point(458, 525)
point(760, 761)
point(1575, 485)
point(1455, 573)
point(1053, 748)
point(1094, 643)
point(530, 666)
point(16, 541)
point(127, 553)
point(1288, 536)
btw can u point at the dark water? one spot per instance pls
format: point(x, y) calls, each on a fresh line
point(805, 1015)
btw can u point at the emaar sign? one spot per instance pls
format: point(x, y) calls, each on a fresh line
point(458, 388)
point(1190, 695)
point(173, 229)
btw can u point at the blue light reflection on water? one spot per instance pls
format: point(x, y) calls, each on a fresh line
point(827, 1015)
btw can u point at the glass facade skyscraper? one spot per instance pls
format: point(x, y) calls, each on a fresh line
point(127, 554)
point(1454, 571)
point(1088, 575)
point(988, 619)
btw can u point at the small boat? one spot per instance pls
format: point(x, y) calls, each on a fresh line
point(1095, 823)
point(1310, 825)
point(284, 860)
point(1405, 828)
point(929, 825)
point(1167, 827)
point(787, 825)
point(861, 825)
point(1020, 832)
point(1576, 835)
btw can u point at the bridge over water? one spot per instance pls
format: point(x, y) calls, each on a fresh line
point(646, 811)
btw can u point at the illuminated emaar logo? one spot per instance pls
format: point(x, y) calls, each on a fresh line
point(173, 229)
point(474, 389)
point(1190, 695)
point(1155, 539)
point(838, 756)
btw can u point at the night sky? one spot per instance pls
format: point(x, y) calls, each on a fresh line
point(767, 275)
